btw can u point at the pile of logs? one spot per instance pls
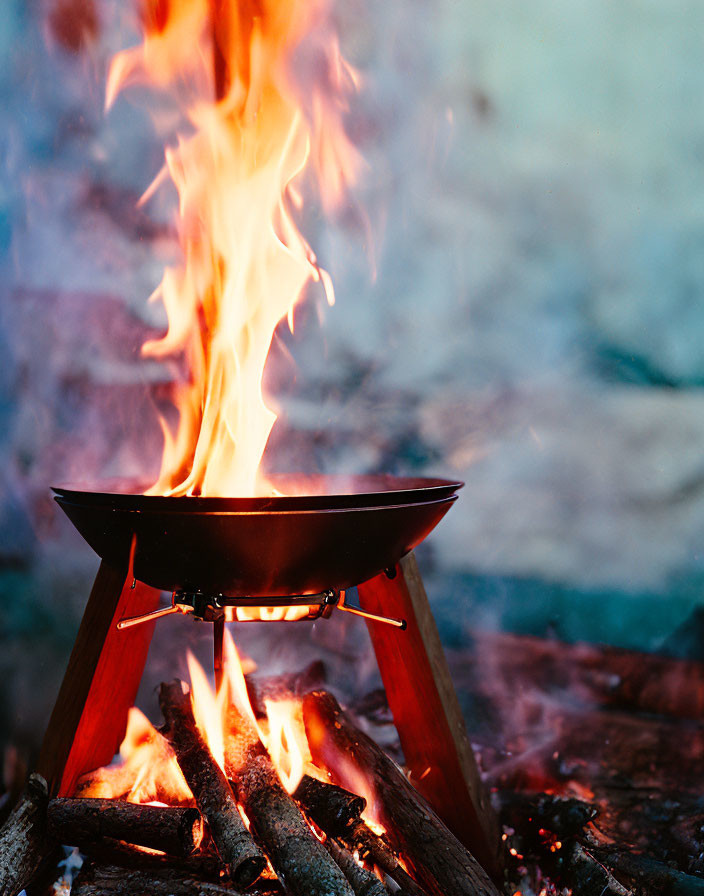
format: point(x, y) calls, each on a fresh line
point(245, 831)
point(595, 764)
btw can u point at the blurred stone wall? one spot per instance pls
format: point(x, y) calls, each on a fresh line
point(521, 304)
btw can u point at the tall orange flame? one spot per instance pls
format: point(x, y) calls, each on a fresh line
point(264, 88)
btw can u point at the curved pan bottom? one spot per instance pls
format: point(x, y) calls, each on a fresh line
point(255, 553)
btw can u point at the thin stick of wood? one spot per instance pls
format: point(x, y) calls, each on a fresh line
point(437, 858)
point(77, 822)
point(23, 839)
point(242, 859)
point(298, 857)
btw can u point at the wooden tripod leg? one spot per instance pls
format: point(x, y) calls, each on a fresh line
point(101, 680)
point(426, 711)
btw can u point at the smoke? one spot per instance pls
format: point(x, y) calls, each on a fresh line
point(525, 233)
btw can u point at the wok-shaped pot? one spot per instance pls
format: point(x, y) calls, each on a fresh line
point(335, 534)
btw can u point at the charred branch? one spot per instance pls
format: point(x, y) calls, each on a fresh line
point(649, 875)
point(24, 843)
point(81, 822)
point(299, 859)
point(437, 859)
point(589, 877)
point(242, 859)
point(534, 812)
point(331, 807)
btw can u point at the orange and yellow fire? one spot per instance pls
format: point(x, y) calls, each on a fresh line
point(263, 89)
point(149, 773)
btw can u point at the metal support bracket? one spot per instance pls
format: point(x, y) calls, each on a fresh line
point(212, 608)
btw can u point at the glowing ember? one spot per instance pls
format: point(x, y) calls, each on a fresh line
point(263, 89)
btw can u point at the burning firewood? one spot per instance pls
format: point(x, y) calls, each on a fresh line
point(280, 687)
point(205, 866)
point(374, 850)
point(81, 822)
point(242, 859)
point(109, 880)
point(363, 882)
point(534, 814)
point(24, 843)
point(331, 807)
point(149, 771)
point(299, 859)
point(437, 858)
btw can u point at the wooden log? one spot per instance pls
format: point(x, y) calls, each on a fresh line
point(587, 876)
point(650, 875)
point(107, 880)
point(206, 866)
point(426, 712)
point(436, 857)
point(90, 715)
point(363, 882)
point(299, 859)
point(331, 807)
point(80, 822)
point(242, 859)
point(24, 843)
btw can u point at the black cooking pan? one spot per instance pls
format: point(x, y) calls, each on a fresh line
point(220, 546)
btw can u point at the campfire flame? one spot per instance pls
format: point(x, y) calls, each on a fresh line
point(149, 773)
point(263, 90)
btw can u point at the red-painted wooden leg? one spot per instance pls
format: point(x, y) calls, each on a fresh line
point(101, 681)
point(426, 711)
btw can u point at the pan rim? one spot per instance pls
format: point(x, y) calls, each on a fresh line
point(408, 491)
point(159, 511)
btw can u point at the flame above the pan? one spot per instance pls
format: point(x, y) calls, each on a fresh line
point(263, 89)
